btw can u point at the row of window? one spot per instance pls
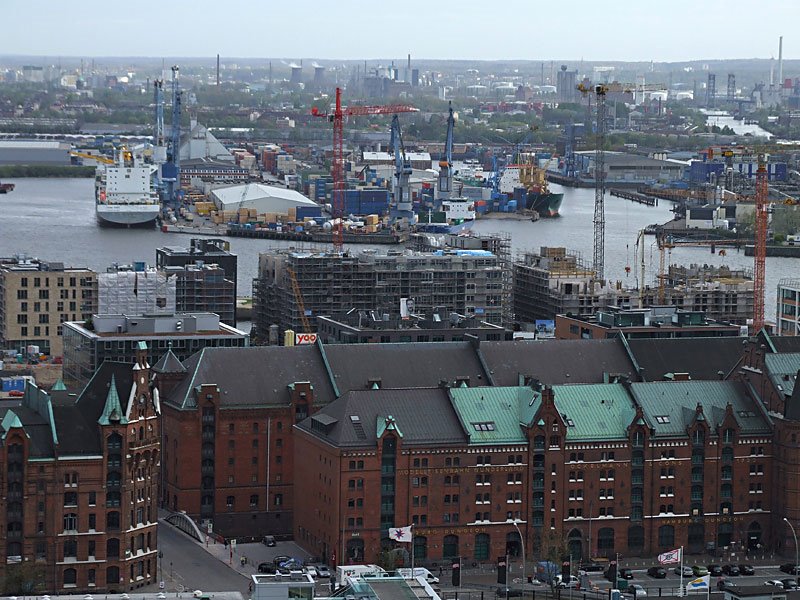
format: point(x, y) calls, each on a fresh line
point(73, 281)
point(277, 500)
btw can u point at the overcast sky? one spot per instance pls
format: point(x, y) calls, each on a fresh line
point(625, 30)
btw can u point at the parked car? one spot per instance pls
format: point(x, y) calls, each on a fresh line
point(789, 583)
point(715, 570)
point(636, 590)
point(775, 582)
point(267, 568)
point(746, 570)
point(324, 571)
point(657, 572)
point(725, 584)
point(625, 573)
point(790, 568)
point(593, 567)
point(699, 571)
point(687, 571)
point(312, 570)
point(503, 592)
point(268, 540)
point(278, 560)
point(731, 570)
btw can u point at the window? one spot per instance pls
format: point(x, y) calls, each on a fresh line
point(70, 549)
point(92, 521)
point(254, 501)
point(666, 536)
point(70, 577)
point(278, 501)
point(230, 501)
point(483, 426)
point(92, 498)
point(71, 522)
point(70, 499)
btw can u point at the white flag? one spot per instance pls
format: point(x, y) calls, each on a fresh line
point(701, 584)
point(400, 534)
point(673, 556)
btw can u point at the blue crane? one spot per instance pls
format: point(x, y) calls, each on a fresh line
point(401, 203)
point(172, 169)
point(446, 163)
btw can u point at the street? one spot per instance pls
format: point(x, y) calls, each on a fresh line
point(188, 566)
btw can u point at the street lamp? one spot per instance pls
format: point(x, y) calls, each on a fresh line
point(796, 549)
point(522, 544)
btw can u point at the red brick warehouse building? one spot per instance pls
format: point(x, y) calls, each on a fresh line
point(611, 468)
point(80, 483)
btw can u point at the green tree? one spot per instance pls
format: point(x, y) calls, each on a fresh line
point(25, 578)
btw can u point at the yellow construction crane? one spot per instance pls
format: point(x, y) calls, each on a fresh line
point(96, 157)
point(298, 296)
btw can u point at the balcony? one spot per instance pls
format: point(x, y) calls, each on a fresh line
point(637, 461)
point(387, 489)
point(538, 484)
point(637, 479)
point(207, 470)
point(538, 465)
point(538, 503)
point(113, 484)
point(698, 459)
point(387, 470)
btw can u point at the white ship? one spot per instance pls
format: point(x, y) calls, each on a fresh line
point(124, 192)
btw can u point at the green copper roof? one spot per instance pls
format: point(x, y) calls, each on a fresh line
point(669, 406)
point(387, 424)
point(59, 386)
point(493, 415)
point(782, 369)
point(602, 411)
point(11, 421)
point(112, 411)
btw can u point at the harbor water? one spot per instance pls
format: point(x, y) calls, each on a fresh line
point(54, 220)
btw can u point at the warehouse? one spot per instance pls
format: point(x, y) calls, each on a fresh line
point(30, 152)
point(263, 198)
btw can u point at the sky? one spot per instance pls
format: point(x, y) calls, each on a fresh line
point(595, 30)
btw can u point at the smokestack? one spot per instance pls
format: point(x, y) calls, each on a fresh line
point(217, 70)
point(780, 61)
point(409, 62)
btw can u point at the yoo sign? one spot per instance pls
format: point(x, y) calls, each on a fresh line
point(301, 339)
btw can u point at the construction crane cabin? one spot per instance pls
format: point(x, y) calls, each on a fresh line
point(337, 165)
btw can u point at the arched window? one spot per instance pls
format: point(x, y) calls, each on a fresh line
point(70, 577)
point(724, 535)
point(112, 549)
point(727, 436)
point(482, 546)
point(538, 442)
point(666, 536)
point(635, 537)
point(575, 544)
point(450, 546)
point(638, 439)
point(71, 522)
point(605, 540)
point(699, 437)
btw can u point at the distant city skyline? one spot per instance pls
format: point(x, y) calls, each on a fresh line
point(622, 30)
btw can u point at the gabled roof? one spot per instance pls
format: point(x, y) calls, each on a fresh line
point(37, 429)
point(785, 343)
point(669, 406)
point(169, 363)
point(10, 421)
point(782, 369)
point(595, 412)
point(556, 362)
point(701, 358)
point(425, 416)
point(256, 376)
point(403, 365)
point(493, 415)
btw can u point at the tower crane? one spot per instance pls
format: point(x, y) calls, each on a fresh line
point(95, 157)
point(401, 203)
point(298, 297)
point(337, 166)
point(446, 163)
point(760, 250)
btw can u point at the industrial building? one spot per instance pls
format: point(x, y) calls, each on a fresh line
point(117, 337)
point(653, 322)
point(371, 327)
point(295, 287)
point(418, 160)
point(198, 171)
point(264, 199)
point(555, 282)
point(625, 168)
point(36, 297)
point(34, 152)
point(788, 313)
point(80, 483)
point(199, 143)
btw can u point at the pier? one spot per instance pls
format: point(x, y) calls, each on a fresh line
point(633, 196)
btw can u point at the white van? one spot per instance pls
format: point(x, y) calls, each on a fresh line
point(418, 572)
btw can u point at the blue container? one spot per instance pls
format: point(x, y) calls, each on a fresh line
point(511, 205)
point(13, 384)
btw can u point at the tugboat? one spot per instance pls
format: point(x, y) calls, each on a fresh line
point(6, 187)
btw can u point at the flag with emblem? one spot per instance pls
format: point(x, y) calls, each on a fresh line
point(671, 557)
point(400, 534)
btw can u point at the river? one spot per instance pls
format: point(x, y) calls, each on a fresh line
point(722, 119)
point(53, 219)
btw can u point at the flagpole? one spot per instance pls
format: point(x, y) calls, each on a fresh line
point(412, 550)
point(680, 593)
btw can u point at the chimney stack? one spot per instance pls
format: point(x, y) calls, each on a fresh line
point(780, 61)
point(217, 70)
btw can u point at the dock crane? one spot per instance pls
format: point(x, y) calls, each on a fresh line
point(337, 165)
point(401, 202)
point(446, 162)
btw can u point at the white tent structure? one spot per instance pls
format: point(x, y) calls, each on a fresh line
point(263, 198)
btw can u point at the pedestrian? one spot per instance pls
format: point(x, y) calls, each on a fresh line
point(225, 541)
point(440, 571)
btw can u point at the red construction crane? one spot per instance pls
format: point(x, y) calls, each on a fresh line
point(760, 250)
point(337, 167)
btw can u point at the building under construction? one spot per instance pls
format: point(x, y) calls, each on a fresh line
point(556, 282)
point(468, 282)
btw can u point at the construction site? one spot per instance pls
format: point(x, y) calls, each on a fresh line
point(294, 288)
point(555, 281)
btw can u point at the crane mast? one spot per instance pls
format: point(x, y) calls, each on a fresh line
point(402, 174)
point(600, 185)
point(760, 250)
point(446, 163)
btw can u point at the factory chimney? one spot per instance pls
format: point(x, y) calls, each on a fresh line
point(409, 62)
point(217, 70)
point(780, 61)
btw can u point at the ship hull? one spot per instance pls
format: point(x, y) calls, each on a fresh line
point(547, 205)
point(127, 215)
point(443, 227)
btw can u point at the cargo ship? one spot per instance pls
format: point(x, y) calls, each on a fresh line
point(125, 195)
point(454, 216)
point(538, 196)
